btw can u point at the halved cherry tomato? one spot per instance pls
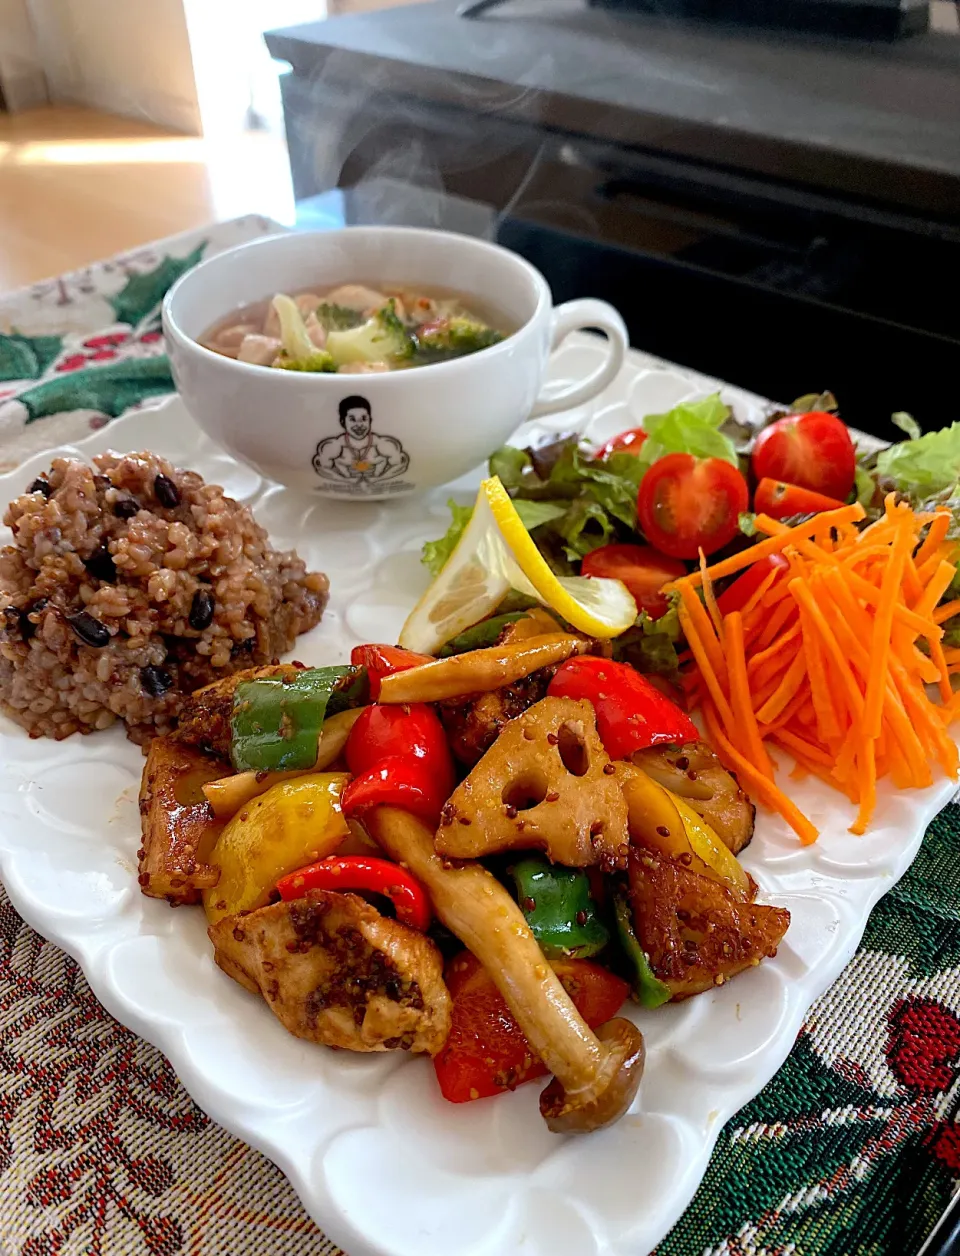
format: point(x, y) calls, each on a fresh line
point(628, 442)
point(743, 588)
point(686, 504)
point(384, 660)
point(780, 501)
point(407, 729)
point(642, 569)
point(486, 1052)
point(810, 450)
point(631, 713)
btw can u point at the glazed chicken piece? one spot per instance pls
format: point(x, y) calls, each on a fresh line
point(695, 932)
point(205, 715)
point(335, 971)
point(178, 824)
point(473, 724)
point(696, 774)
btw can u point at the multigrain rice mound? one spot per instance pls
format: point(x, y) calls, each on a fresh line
point(130, 584)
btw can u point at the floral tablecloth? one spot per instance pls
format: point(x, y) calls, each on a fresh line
point(852, 1150)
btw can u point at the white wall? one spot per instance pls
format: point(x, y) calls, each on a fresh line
point(21, 74)
point(125, 56)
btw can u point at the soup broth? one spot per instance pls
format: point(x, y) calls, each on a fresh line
point(356, 329)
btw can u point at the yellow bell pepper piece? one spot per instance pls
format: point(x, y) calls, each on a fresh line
point(708, 848)
point(664, 822)
point(293, 824)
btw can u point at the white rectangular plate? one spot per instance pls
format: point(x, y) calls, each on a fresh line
point(381, 1162)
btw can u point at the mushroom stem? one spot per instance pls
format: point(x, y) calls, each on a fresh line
point(592, 1080)
point(478, 671)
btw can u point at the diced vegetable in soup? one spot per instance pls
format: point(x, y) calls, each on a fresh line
point(355, 329)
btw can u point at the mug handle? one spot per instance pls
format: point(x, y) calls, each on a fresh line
point(576, 316)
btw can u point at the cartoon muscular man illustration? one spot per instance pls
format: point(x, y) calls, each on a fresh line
point(360, 455)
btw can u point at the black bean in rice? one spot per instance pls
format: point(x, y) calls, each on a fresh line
point(131, 574)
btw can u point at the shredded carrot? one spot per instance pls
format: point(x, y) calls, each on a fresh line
point(830, 658)
point(740, 695)
point(776, 541)
point(709, 600)
point(946, 611)
point(882, 628)
point(757, 783)
point(936, 533)
point(709, 676)
point(705, 631)
point(784, 614)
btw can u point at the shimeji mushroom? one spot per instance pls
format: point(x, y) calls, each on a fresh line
point(478, 671)
point(596, 1075)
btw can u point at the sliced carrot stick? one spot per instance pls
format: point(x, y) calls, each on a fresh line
point(776, 541)
point(947, 611)
point(785, 718)
point(756, 783)
point(709, 600)
point(783, 615)
point(867, 771)
point(851, 690)
point(786, 690)
point(706, 668)
point(935, 588)
point(781, 649)
point(936, 533)
point(882, 627)
point(759, 596)
point(704, 629)
point(740, 696)
point(800, 745)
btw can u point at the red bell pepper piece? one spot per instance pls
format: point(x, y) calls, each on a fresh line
point(362, 872)
point(631, 713)
point(407, 729)
point(486, 1052)
point(384, 660)
point(397, 781)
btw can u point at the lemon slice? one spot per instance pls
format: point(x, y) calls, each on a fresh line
point(496, 554)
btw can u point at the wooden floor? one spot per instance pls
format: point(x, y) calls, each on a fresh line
point(76, 185)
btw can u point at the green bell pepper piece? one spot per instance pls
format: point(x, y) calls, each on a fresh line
point(486, 633)
point(559, 910)
point(648, 989)
point(276, 721)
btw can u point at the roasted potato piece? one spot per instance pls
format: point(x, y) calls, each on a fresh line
point(696, 774)
point(178, 824)
point(205, 715)
point(293, 824)
point(695, 932)
point(546, 784)
point(334, 971)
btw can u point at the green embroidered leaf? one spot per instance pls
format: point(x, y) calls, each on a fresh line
point(107, 389)
point(27, 357)
point(804, 1087)
point(889, 1204)
point(749, 1178)
point(141, 294)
